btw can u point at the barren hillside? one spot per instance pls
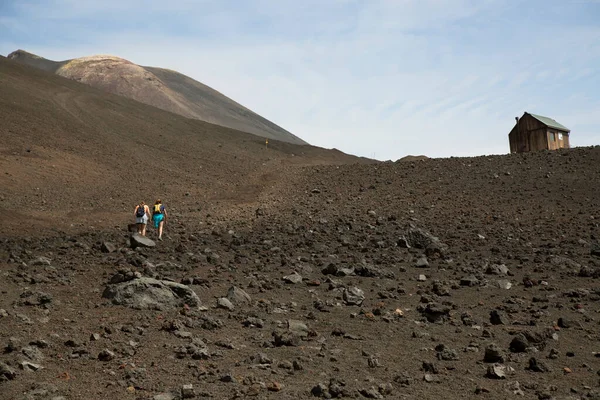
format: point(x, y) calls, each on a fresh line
point(162, 88)
point(70, 151)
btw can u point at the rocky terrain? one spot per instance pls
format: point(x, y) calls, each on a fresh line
point(162, 88)
point(313, 275)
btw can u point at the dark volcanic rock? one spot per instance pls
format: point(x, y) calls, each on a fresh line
point(136, 240)
point(519, 344)
point(595, 249)
point(435, 312)
point(496, 318)
point(152, 294)
point(493, 354)
point(336, 270)
point(108, 247)
point(353, 296)
point(421, 239)
point(537, 366)
point(6, 372)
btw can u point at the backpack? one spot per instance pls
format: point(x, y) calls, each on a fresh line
point(140, 211)
point(158, 209)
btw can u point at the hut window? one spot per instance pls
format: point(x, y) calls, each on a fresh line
point(560, 136)
point(552, 137)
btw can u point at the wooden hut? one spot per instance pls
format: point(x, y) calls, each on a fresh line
point(534, 132)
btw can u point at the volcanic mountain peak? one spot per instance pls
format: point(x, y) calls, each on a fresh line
point(161, 88)
point(21, 53)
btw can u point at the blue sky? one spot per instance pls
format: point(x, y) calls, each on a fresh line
point(378, 78)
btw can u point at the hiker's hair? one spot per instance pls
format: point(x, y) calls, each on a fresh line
point(142, 203)
point(158, 201)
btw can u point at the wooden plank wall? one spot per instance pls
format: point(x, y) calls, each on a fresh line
point(561, 140)
point(528, 134)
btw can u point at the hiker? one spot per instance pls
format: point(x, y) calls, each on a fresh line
point(142, 214)
point(159, 216)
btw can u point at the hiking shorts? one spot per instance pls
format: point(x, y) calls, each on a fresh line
point(142, 220)
point(157, 218)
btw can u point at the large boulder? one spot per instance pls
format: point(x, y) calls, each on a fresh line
point(151, 294)
point(421, 239)
point(137, 240)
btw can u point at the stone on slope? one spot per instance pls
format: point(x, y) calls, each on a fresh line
point(238, 296)
point(41, 261)
point(29, 366)
point(137, 240)
point(421, 239)
point(496, 372)
point(493, 354)
point(497, 318)
point(224, 303)
point(353, 296)
point(151, 294)
point(497, 269)
point(6, 372)
point(293, 278)
point(595, 249)
point(298, 328)
point(108, 247)
point(336, 270)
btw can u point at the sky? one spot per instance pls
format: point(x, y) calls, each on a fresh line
point(375, 78)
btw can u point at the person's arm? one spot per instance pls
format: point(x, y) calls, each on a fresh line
point(135, 211)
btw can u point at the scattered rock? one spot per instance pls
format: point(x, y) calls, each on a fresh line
point(422, 263)
point(136, 240)
point(497, 269)
point(537, 366)
point(238, 296)
point(29, 366)
point(371, 393)
point(187, 391)
point(422, 239)
point(496, 318)
point(469, 280)
point(6, 372)
point(151, 294)
point(106, 355)
point(353, 296)
point(336, 270)
point(434, 312)
point(41, 261)
point(223, 302)
point(595, 249)
point(519, 344)
point(504, 284)
point(514, 388)
point(493, 354)
point(298, 328)
point(108, 247)
point(496, 371)
point(566, 323)
point(293, 278)
point(164, 396)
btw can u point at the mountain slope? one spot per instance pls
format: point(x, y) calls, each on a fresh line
point(162, 88)
point(73, 155)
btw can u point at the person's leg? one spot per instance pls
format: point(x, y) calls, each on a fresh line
point(143, 229)
point(139, 228)
point(160, 229)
